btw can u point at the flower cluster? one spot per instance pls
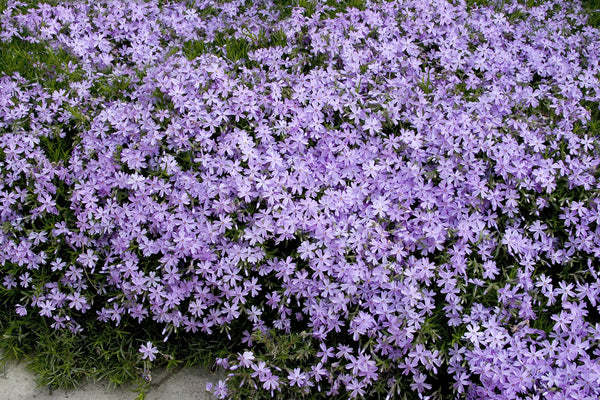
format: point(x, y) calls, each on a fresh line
point(406, 191)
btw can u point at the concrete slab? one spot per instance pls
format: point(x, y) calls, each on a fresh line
point(17, 383)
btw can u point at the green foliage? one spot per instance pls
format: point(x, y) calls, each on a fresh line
point(234, 49)
point(592, 8)
point(59, 149)
point(285, 7)
point(102, 351)
point(194, 48)
point(35, 62)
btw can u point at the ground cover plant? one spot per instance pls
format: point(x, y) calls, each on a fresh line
point(353, 199)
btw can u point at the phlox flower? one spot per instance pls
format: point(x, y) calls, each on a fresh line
point(148, 351)
point(271, 382)
point(298, 378)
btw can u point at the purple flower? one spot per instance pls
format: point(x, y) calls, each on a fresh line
point(88, 259)
point(78, 302)
point(46, 308)
point(148, 351)
point(21, 309)
point(356, 388)
point(419, 383)
point(219, 390)
point(245, 360)
point(298, 378)
point(271, 382)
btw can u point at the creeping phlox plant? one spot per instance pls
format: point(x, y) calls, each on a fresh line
point(366, 199)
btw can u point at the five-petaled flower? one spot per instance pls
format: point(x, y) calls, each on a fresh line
point(148, 351)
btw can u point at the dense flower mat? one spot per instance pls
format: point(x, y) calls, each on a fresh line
point(378, 199)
